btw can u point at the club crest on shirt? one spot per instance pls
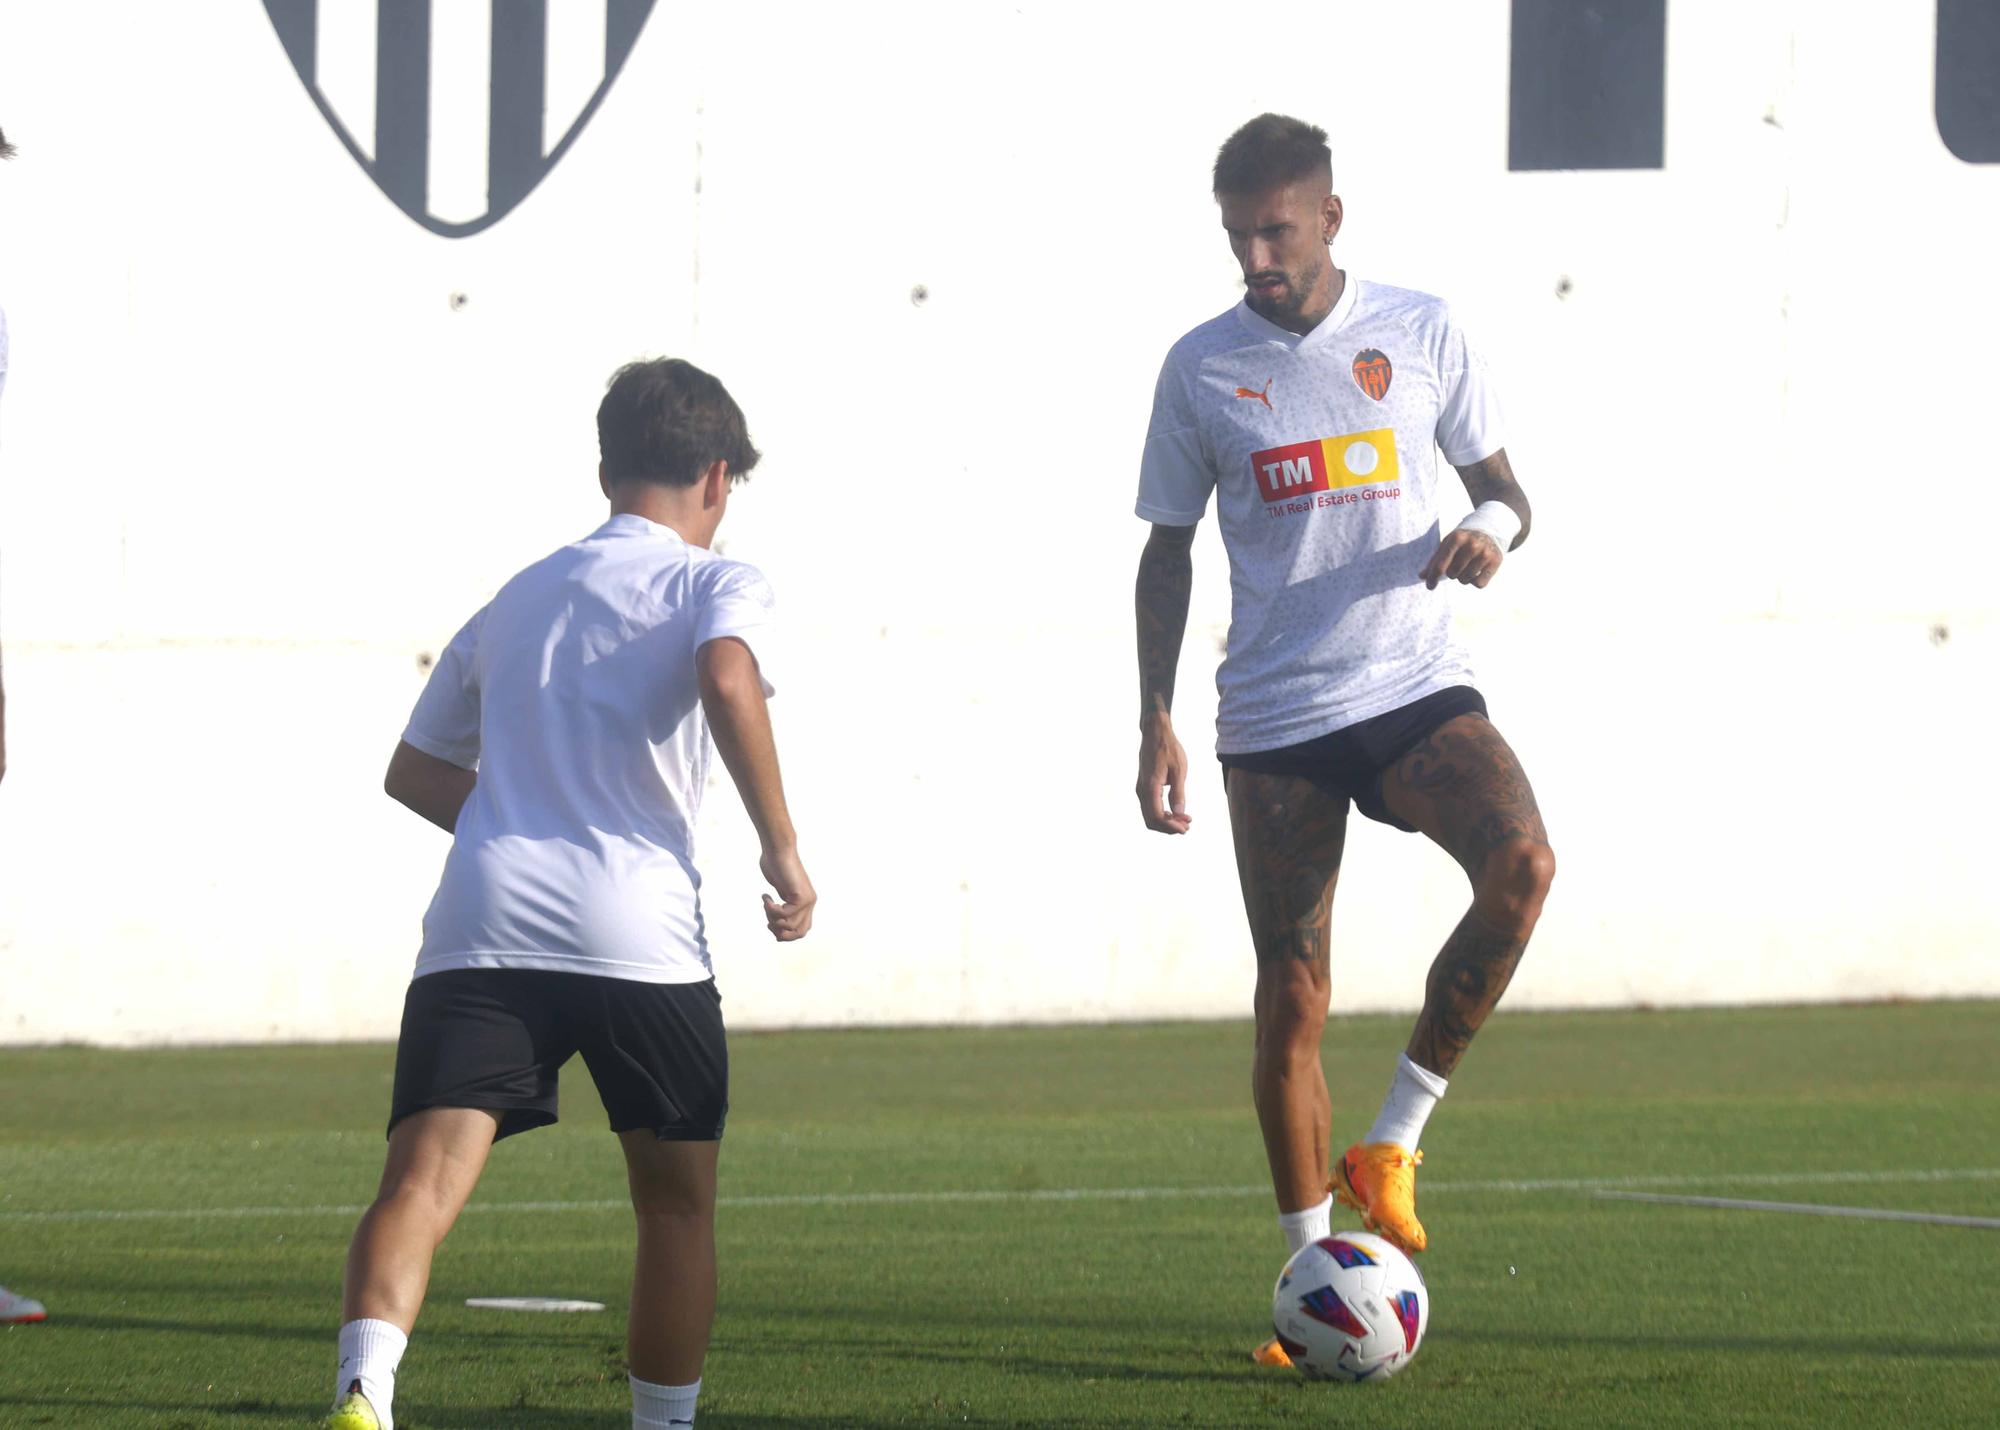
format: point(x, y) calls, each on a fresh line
point(1372, 372)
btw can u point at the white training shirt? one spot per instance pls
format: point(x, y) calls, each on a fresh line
point(574, 695)
point(1321, 451)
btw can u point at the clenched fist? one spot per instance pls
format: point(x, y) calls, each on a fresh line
point(1468, 556)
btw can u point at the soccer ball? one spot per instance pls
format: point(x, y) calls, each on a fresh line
point(1350, 1307)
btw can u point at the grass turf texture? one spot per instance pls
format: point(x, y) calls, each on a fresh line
point(1549, 1308)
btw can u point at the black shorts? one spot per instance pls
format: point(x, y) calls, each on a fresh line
point(1353, 761)
point(494, 1037)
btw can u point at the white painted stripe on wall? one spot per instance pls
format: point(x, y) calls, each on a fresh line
point(461, 88)
point(1869, 1176)
point(344, 34)
point(575, 65)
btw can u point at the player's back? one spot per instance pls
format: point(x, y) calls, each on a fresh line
point(586, 674)
point(575, 849)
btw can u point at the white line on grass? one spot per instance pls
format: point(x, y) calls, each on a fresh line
point(1803, 1208)
point(1885, 1176)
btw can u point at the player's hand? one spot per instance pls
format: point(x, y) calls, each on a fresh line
point(1468, 556)
point(790, 915)
point(1162, 770)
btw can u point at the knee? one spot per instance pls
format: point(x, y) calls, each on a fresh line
point(672, 1208)
point(1514, 882)
point(1291, 1011)
point(417, 1195)
point(672, 1200)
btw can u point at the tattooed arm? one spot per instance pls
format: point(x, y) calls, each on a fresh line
point(1493, 480)
point(1470, 555)
point(1166, 578)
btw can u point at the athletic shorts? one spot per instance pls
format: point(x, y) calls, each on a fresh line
point(494, 1037)
point(1352, 761)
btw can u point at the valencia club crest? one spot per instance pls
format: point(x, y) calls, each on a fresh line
point(1372, 372)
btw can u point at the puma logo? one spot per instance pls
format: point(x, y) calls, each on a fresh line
point(1263, 397)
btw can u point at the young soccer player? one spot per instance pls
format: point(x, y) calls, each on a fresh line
point(1312, 412)
point(564, 739)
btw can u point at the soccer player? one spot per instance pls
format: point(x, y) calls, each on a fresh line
point(1311, 410)
point(564, 740)
point(14, 1309)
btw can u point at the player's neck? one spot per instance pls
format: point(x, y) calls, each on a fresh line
point(679, 509)
point(1315, 313)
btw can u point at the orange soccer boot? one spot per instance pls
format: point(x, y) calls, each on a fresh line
point(1379, 1180)
point(1272, 1353)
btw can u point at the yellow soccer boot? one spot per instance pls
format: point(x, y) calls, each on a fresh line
point(353, 1412)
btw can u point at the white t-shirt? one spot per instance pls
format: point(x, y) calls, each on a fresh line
point(574, 695)
point(1322, 453)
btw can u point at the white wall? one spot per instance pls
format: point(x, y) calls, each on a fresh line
point(253, 463)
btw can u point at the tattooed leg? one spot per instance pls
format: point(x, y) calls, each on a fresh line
point(1289, 835)
point(1464, 788)
point(1466, 981)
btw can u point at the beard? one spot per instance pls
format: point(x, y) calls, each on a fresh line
point(1289, 304)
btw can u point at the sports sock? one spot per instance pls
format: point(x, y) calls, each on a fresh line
point(370, 1351)
point(1408, 1107)
point(661, 1407)
point(1306, 1227)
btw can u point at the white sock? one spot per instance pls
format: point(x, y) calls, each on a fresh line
point(661, 1407)
point(1408, 1107)
point(370, 1351)
point(1306, 1227)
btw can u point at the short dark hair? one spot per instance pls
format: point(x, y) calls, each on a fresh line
point(1270, 151)
point(664, 420)
point(6, 149)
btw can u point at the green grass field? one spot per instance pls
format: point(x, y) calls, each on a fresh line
point(1051, 1227)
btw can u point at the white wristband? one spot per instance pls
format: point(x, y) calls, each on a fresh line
point(1495, 519)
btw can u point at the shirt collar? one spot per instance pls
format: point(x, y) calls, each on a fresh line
point(1260, 326)
point(630, 524)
